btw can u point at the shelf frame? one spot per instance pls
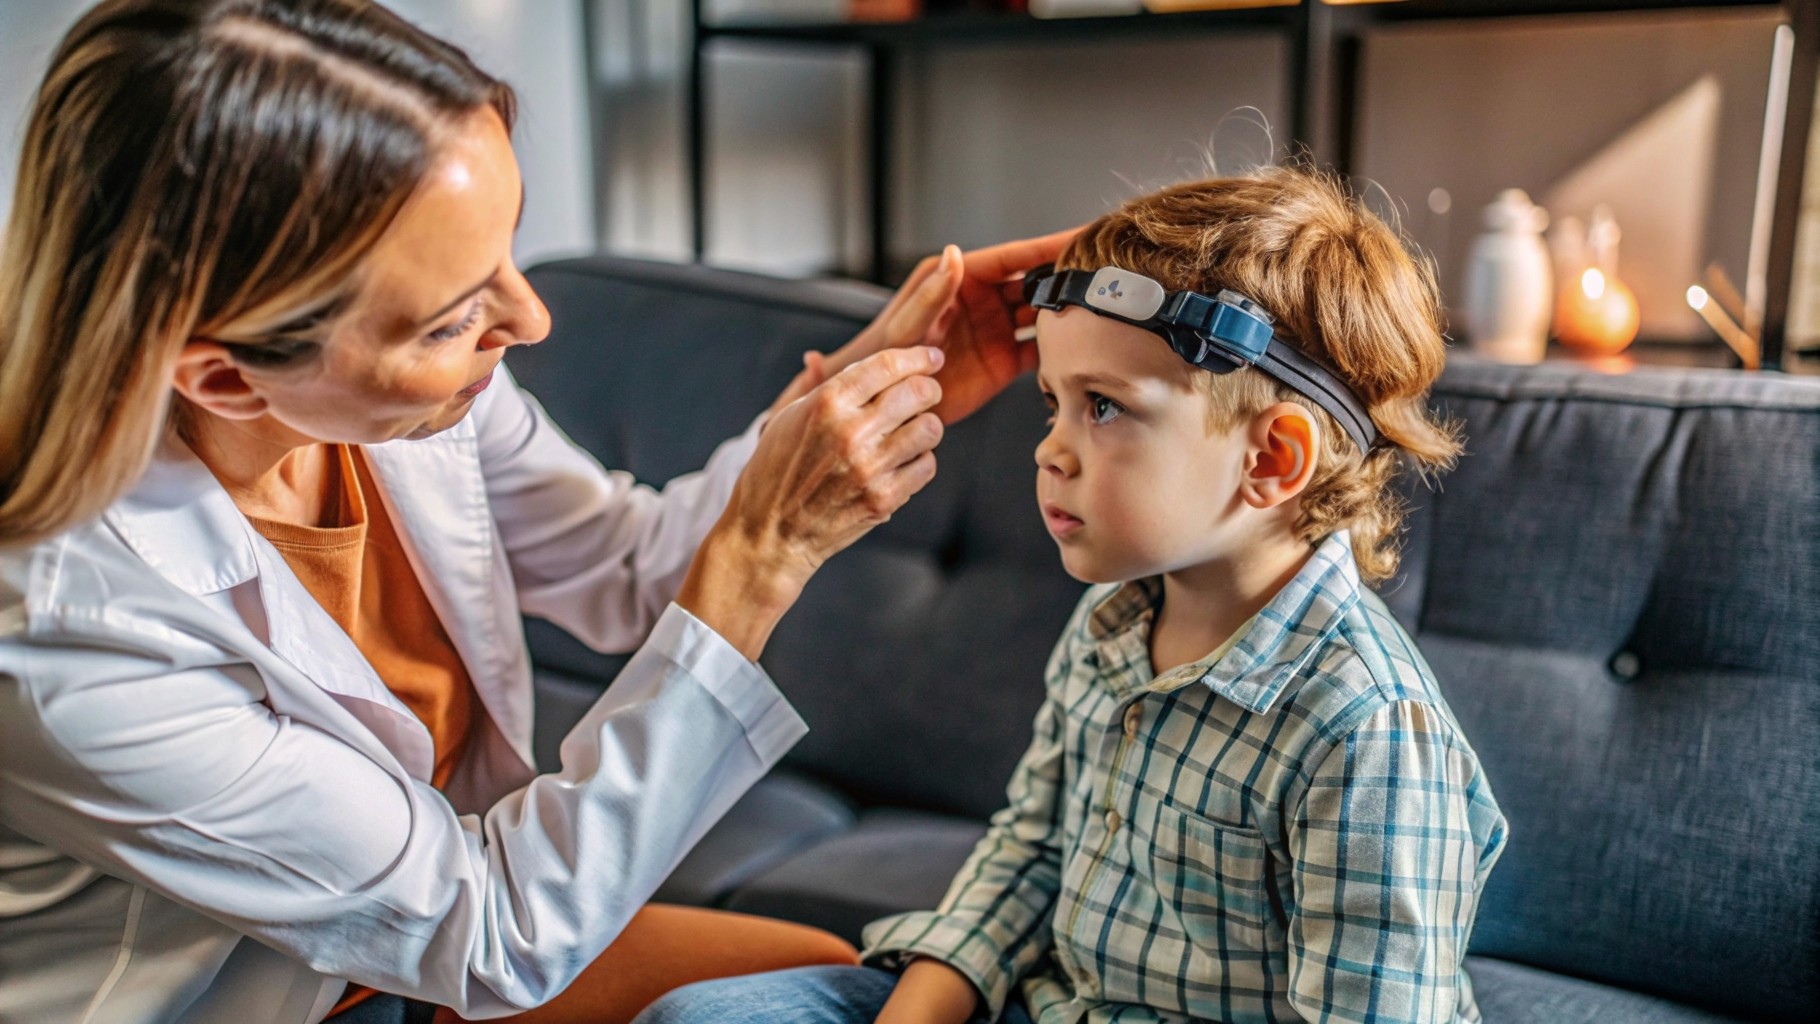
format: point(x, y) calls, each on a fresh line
point(1325, 41)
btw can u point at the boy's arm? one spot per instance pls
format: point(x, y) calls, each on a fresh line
point(993, 926)
point(1386, 869)
point(931, 992)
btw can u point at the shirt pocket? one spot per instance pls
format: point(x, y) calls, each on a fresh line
point(1212, 878)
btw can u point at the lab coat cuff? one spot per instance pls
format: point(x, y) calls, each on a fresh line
point(772, 726)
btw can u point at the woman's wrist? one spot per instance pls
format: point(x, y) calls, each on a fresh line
point(740, 588)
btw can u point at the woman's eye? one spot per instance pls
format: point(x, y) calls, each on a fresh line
point(1104, 410)
point(456, 330)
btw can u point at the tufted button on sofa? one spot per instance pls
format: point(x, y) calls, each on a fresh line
point(1619, 590)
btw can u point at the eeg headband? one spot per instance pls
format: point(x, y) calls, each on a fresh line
point(1218, 334)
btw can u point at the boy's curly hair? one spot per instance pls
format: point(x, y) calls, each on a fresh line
point(1343, 289)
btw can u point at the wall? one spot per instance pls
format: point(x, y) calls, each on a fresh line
point(1010, 141)
point(991, 141)
point(534, 44)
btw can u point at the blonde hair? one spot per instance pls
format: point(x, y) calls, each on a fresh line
point(1343, 289)
point(195, 168)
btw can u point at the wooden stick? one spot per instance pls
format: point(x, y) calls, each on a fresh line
point(1735, 337)
point(1719, 286)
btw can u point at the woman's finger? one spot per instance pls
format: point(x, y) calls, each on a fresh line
point(863, 381)
point(900, 403)
point(998, 262)
point(910, 441)
point(912, 321)
point(913, 476)
point(918, 274)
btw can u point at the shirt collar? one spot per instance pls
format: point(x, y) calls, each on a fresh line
point(1279, 642)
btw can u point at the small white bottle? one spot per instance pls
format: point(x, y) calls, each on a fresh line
point(1510, 283)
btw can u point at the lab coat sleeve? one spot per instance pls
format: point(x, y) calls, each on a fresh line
point(167, 769)
point(592, 550)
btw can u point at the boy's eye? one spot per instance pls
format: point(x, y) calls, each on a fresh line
point(1103, 410)
point(1049, 404)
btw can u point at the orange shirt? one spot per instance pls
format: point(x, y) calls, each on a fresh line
point(357, 570)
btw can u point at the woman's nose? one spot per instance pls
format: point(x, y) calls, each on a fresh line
point(526, 320)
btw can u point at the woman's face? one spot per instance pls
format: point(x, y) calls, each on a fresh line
point(438, 302)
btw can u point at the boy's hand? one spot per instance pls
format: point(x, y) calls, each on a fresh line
point(930, 992)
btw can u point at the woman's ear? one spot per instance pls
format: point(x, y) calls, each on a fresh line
point(210, 379)
point(1284, 442)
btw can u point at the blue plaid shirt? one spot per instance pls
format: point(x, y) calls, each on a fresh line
point(1293, 828)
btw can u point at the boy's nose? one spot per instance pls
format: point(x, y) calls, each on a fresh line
point(1053, 456)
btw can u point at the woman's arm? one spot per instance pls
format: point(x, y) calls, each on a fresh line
point(172, 773)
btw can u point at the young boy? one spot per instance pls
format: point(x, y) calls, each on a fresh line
point(1246, 799)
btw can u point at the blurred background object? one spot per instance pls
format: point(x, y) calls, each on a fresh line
point(783, 136)
point(1596, 313)
point(1509, 283)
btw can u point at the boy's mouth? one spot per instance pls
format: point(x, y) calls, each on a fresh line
point(1060, 523)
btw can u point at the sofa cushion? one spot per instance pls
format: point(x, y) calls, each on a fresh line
point(1617, 589)
point(1514, 994)
point(779, 817)
point(889, 862)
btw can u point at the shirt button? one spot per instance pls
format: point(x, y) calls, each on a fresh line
point(1113, 821)
point(1133, 716)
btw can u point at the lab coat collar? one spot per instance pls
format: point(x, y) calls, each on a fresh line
point(184, 525)
point(180, 520)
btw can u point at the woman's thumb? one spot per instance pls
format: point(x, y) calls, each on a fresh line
point(913, 321)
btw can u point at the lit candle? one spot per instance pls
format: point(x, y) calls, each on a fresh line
point(1597, 315)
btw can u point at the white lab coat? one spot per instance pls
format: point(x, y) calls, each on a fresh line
point(212, 810)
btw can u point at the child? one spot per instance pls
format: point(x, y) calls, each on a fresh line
point(1246, 799)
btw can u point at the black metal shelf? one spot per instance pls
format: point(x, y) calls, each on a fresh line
point(1324, 47)
point(1455, 10)
point(962, 27)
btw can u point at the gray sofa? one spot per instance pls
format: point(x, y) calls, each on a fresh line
point(1619, 590)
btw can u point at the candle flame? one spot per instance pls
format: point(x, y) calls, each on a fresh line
point(1696, 297)
point(1593, 282)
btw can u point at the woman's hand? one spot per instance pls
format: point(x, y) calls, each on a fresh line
point(828, 468)
point(978, 331)
point(971, 306)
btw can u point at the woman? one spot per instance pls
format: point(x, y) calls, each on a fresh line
point(270, 510)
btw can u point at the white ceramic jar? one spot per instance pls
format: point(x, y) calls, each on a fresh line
point(1510, 282)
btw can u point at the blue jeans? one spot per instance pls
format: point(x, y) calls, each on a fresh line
point(385, 1008)
point(803, 995)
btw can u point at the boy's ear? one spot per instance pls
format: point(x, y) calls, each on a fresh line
point(1284, 445)
point(210, 378)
